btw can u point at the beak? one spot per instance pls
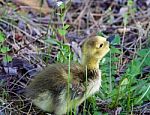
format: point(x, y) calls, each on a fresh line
point(110, 38)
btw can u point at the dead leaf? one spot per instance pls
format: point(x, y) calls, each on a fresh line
point(148, 2)
point(123, 10)
point(11, 70)
point(34, 4)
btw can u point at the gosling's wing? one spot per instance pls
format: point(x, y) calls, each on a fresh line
point(77, 90)
point(52, 79)
point(77, 87)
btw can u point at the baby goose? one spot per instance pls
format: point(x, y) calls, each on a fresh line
point(49, 90)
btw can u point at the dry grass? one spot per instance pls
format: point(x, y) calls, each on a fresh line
point(26, 34)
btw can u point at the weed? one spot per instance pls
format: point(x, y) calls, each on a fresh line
point(4, 49)
point(130, 90)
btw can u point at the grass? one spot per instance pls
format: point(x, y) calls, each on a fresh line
point(125, 70)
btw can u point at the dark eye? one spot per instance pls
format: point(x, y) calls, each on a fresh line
point(101, 45)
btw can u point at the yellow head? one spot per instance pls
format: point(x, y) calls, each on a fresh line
point(93, 50)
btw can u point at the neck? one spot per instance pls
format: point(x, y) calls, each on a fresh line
point(90, 63)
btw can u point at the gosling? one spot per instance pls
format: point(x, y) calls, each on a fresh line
point(55, 91)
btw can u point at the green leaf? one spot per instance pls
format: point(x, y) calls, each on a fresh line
point(96, 113)
point(116, 40)
point(2, 38)
point(52, 41)
point(143, 95)
point(115, 59)
point(101, 34)
point(115, 50)
point(123, 84)
point(145, 56)
point(66, 27)
point(62, 6)
point(4, 49)
point(130, 3)
point(147, 61)
point(125, 18)
point(7, 58)
point(143, 52)
point(62, 32)
point(133, 68)
point(125, 81)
